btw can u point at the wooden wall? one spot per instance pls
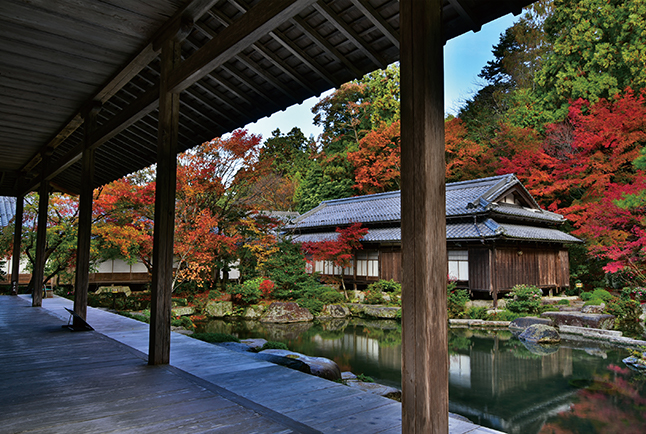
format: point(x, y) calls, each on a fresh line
point(480, 269)
point(390, 264)
point(542, 267)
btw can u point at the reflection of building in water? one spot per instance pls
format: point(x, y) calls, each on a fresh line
point(460, 370)
point(363, 349)
point(506, 386)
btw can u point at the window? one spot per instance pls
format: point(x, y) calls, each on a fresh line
point(368, 264)
point(459, 265)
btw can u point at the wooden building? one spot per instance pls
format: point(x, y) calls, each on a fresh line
point(497, 236)
point(94, 90)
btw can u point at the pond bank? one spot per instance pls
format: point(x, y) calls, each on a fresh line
point(571, 333)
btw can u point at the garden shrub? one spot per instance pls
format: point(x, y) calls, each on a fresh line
point(504, 315)
point(329, 295)
point(477, 312)
point(563, 302)
point(286, 270)
point(638, 293)
point(183, 321)
point(273, 345)
point(215, 337)
point(627, 312)
point(213, 294)
point(373, 296)
point(525, 299)
point(594, 302)
point(585, 296)
point(602, 294)
point(247, 293)
point(312, 304)
point(266, 286)
point(456, 300)
point(386, 286)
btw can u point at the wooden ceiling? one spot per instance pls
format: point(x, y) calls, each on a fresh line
point(242, 60)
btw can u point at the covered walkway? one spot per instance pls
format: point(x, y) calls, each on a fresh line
point(54, 380)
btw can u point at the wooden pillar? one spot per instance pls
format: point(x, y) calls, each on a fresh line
point(162, 279)
point(82, 280)
point(41, 237)
point(425, 394)
point(17, 239)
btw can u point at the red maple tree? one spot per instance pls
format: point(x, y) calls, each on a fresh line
point(339, 251)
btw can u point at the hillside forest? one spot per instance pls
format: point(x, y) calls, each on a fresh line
point(562, 105)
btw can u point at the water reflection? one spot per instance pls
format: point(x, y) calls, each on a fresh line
point(494, 379)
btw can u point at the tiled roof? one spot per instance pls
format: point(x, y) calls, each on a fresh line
point(465, 198)
point(7, 210)
point(489, 229)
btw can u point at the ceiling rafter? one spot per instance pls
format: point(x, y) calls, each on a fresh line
point(290, 45)
point(379, 22)
point(347, 31)
point(251, 26)
point(304, 57)
point(325, 45)
point(251, 64)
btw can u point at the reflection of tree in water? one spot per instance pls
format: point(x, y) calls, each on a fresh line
point(611, 403)
point(385, 337)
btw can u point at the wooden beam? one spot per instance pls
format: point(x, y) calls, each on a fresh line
point(82, 280)
point(349, 33)
point(162, 278)
point(17, 240)
point(373, 15)
point(465, 15)
point(256, 23)
point(425, 391)
point(41, 238)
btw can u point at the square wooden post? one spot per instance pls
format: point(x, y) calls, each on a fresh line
point(41, 238)
point(162, 279)
point(82, 280)
point(17, 239)
point(425, 392)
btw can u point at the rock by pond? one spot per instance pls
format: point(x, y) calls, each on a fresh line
point(594, 308)
point(373, 311)
point(579, 319)
point(518, 325)
point(218, 309)
point(334, 311)
point(286, 312)
point(253, 312)
point(319, 366)
point(540, 334)
point(376, 389)
point(636, 363)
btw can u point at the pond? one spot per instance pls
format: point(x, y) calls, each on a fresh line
point(494, 379)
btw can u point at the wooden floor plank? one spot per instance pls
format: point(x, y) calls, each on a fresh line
point(54, 380)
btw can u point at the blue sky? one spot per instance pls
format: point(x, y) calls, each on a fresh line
point(464, 57)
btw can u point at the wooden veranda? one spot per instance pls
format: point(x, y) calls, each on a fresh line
point(94, 90)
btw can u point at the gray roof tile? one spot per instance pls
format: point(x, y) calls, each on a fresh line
point(489, 229)
point(7, 210)
point(462, 199)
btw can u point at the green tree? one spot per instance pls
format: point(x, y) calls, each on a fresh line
point(598, 50)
